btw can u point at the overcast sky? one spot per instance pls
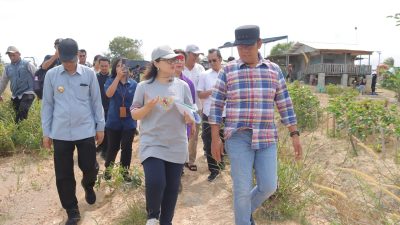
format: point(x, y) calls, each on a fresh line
point(32, 26)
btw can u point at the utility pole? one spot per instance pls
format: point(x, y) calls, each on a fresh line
point(379, 57)
point(355, 28)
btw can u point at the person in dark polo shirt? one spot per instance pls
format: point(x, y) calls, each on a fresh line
point(102, 76)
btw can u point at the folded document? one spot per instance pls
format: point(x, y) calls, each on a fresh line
point(182, 107)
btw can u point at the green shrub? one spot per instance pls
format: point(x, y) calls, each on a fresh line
point(6, 143)
point(333, 90)
point(135, 215)
point(28, 133)
point(364, 118)
point(7, 127)
point(306, 106)
point(117, 179)
point(292, 199)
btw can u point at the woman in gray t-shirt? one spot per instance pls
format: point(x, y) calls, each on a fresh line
point(163, 141)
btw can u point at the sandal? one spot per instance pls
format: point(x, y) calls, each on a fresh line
point(191, 167)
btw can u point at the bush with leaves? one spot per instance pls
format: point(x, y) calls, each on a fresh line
point(306, 106)
point(364, 118)
point(28, 132)
point(391, 80)
point(26, 135)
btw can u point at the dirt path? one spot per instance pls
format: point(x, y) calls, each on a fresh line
point(28, 193)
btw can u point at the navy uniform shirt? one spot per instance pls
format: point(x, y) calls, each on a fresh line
point(114, 121)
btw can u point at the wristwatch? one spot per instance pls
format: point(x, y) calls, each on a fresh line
point(296, 132)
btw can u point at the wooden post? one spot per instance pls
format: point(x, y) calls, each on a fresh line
point(353, 145)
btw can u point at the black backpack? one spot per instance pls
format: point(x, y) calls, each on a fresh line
point(38, 80)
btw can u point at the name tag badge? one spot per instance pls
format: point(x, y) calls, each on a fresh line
point(122, 112)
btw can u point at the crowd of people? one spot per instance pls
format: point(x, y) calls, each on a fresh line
point(94, 110)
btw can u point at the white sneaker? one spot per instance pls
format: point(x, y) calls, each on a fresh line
point(152, 222)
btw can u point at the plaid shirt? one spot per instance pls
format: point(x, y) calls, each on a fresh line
point(250, 95)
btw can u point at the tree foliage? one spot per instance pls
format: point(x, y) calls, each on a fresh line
point(396, 17)
point(389, 61)
point(125, 47)
point(281, 48)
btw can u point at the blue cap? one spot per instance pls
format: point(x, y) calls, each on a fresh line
point(68, 50)
point(246, 35)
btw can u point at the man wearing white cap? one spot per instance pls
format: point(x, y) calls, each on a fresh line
point(20, 74)
point(192, 71)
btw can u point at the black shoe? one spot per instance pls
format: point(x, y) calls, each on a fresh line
point(73, 216)
point(90, 195)
point(212, 176)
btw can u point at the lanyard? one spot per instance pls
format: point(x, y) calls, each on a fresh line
point(122, 94)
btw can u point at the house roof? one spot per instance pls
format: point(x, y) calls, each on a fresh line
point(300, 48)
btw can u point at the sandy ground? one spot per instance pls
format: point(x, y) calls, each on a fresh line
point(28, 193)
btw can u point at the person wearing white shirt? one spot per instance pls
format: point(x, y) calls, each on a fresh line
point(192, 71)
point(205, 86)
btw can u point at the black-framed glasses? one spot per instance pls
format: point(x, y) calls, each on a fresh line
point(212, 60)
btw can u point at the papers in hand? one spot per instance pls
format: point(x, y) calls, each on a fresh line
point(182, 107)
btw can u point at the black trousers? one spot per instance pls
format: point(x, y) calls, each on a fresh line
point(21, 106)
point(64, 167)
point(213, 166)
point(119, 139)
point(162, 180)
point(373, 86)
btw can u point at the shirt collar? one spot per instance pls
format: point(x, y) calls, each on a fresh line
point(79, 69)
point(261, 61)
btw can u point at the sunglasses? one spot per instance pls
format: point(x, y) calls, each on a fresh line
point(212, 60)
point(180, 58)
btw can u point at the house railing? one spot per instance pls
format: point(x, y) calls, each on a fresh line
point(333, 69)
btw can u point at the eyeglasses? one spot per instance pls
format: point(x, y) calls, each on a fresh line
point(170, 61)
point(212, 60)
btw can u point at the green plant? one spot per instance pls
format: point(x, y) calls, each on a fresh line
point(135, 215)
point(333, 90)
point(292, 198)
point(117, 173)
point(306, 106)
point(28, 132)
point(391, 80)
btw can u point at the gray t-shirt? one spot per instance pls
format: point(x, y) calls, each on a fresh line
point(163, 130)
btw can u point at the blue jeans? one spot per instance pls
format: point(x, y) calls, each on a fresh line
point(247, 197)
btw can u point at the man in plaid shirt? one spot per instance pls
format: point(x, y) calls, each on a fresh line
point(250, 87)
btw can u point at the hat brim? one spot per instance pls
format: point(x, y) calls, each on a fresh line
point(11, 52)
point(68, 58)
point(197, 52)
point(244, 42)
point(169, 56)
